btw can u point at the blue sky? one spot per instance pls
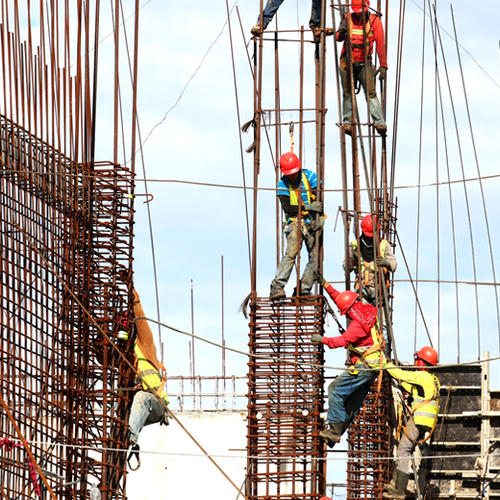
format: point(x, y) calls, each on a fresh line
point(187, 110)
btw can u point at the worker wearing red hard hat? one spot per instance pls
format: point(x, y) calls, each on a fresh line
point(294, 179)
point(365, 344)
point(424, 388)
point(383, 256)
point(360, 26)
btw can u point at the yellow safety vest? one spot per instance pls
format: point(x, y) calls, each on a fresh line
point(150, 376)
point(294, 192)
point(425, 411)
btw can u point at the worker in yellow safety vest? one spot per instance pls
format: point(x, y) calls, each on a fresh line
point(424, 388)
point(383, 257)
point(297, 184)
point(150, 400)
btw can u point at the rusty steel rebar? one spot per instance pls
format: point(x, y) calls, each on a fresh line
point(285, 400)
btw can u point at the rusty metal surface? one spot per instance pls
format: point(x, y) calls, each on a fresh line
point(285, 399)
point(65, 253)
point(369, 439)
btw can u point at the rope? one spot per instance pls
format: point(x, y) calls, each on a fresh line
point(33, 462)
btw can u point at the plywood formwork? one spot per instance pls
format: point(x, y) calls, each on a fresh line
point(65, 256)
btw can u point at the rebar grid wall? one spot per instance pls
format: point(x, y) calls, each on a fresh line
point(369, 439)
point(66, 253)
point(65, 247)
point(285, 400)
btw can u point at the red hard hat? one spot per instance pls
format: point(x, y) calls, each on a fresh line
point(345, 300)
point(357, 5)
point(289, 163)
point(367, 225)
point(428, 354)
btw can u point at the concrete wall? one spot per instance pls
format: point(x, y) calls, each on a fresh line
point(172, 466)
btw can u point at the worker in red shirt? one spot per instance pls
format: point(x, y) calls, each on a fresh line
point(360, 26)
point(366, 346)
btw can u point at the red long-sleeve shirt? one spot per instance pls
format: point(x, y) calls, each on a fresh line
point(376, 35)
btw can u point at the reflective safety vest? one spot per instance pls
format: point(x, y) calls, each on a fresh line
point(357, 34)
point(367, 268)
point(150, 376)
point(294, 194)
point(372, 355)
point(425, 411)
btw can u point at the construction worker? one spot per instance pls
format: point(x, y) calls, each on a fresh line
point(384, 257)
point(150, 400)
point(365, 343)
point(272, 7)
point(360, 27)
point(424, 388)
point(311, 221)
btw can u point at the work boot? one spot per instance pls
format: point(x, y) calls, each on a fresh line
point(317, 32)
point(347, 128)
point(255, 30)
point(277, 294)
point(332, 435)
point(396, 489)
point(381, 129)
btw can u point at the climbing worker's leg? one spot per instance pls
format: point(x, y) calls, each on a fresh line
point(270, 9)
point(346, 93)
point(407, 445)
point(367, 79)
point(307, 280)
point(355, 401)
point(315, 21)
point(287, 262)
point(146, 410)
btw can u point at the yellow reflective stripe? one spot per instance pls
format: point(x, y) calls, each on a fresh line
point(294, 193)
point(357, 31)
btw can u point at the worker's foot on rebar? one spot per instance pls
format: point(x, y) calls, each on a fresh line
point(277, 294)
point(347, 129)
point(317, 32)
point(381, 129)
point(396, 489)
point(332, 435)
point(256, 29)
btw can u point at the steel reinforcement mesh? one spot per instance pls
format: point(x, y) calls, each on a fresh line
point(369, 439)
point(65, 260)
point(285, 400)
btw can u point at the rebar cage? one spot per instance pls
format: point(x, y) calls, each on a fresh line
point(65, 260)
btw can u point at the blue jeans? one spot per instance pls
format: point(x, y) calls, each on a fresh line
point(146, 410)
point(288, 261)
point(273, 5)
point(346, 395)
point(365, 74)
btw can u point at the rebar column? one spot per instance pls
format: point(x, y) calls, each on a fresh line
point(285, 400)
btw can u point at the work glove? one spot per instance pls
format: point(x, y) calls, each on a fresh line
point(382, 72)
point(342, 30)
point(315, 206)
point(382, 261)
point(315, 337)
point(318, 277)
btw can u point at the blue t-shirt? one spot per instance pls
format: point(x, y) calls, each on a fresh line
point(284, 184)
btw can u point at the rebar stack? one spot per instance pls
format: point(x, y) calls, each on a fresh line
point(285, 401)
